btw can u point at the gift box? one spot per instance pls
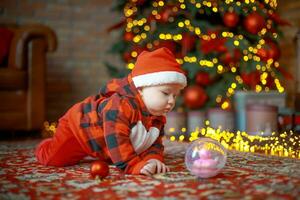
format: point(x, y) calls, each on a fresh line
point(220, 118)
point(244, 98)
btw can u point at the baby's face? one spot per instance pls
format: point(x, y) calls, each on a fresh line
point(160, 99)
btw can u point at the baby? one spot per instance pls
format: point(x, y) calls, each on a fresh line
point(124, 123)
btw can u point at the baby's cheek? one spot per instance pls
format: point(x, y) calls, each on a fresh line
point(155, 102)
point(158, 103)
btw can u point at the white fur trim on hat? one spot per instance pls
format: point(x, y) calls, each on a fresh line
point(159, 78)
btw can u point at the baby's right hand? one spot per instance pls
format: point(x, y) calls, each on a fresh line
point(154, 166)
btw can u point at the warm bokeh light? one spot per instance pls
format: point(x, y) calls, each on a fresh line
point(279, 144)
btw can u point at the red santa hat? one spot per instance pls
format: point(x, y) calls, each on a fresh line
point(156, 68)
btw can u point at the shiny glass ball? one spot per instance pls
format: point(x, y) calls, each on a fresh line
point(205, 157)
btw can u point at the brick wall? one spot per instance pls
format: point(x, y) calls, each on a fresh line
point(289, 10)
point(76, 69)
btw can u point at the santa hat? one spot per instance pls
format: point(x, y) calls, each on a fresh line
point(156, 68)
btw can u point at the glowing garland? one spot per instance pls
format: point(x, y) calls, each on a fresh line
point(285, 144)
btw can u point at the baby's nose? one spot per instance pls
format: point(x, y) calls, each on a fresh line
point(171, 99)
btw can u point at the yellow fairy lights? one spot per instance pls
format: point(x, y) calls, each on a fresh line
point(239, 79)
point(219, 99)
point(142, 28)
point(49, 129)
point(228, 1)
point(130, 65)
point(278, 86)
point(258, 88)
point(161, 3)
point(236, 43)
point(227, 34)
point(245, 58)
point(225, 105)
point(220, 69)
point(206, 63)
point(168, 36)
point(202, 63)
point(285, 144)
point(134, 54)
point(233, 69)
point(272, 3)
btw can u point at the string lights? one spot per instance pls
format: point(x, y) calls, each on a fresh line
point(162, 11)
point(285, 144)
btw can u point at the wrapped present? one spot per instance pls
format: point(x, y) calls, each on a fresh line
point(244, 98)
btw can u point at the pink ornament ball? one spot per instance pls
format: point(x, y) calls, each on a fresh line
point(205, 157)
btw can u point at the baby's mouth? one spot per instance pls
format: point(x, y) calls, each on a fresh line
point(167, 110)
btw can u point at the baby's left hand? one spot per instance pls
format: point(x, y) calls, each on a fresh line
point(154, 166)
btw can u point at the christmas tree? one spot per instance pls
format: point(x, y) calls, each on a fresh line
point(223, 45)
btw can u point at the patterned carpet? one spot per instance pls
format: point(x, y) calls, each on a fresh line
point(245, 176)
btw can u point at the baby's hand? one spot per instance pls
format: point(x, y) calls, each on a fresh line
point(154, 166)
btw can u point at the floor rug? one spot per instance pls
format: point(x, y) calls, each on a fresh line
point(245, 176)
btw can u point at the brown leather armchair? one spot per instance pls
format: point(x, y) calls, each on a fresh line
point(22, 81)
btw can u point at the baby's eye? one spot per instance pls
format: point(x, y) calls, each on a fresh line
point(165, 93)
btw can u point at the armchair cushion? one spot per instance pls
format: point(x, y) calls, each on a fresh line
point(13, 79)
point(6, 36)
point(22, 76)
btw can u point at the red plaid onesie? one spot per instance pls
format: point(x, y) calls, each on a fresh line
point(114, 126)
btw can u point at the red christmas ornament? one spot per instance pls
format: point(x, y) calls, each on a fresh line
point(165, 15)
point(171, 45)
point(251, 79)
point(230, 19)
point(179, 55)
point(226, 58)
point(194, 97)
point(211, 45)
point(127, 57)
point(99, 169)
point(231, 58)
point(221, 47)
point(202, 78)
point(139, 2)
point(261, 5)
point(139, 49)
point(270, 51)
point(128, 36)
point(263, 54)
point(187, 42)
point(254, 22)
point(151, 18)
point(270, 82)
point(273, 51)
point(277, 19)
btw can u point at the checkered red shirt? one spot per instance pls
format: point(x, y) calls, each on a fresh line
point(102, 124)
